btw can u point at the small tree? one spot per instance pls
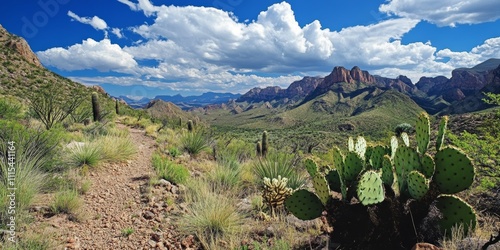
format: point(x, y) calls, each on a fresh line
point(52, 103)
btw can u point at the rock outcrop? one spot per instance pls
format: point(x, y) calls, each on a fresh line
point(296, 90)
point(19, 45)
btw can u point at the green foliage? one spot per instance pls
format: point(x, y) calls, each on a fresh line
point(10, 109)
point(280, 164)
point(403, 127)
point(84, 153)
point(492, 98)
point(174, 152)
point(52, 105)
point(66, 201)
point(126, 232)
point(32, 150)
point(194, 142)
point(170, 171)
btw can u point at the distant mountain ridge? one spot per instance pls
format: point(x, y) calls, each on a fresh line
point(185, 102)
point(434, 94)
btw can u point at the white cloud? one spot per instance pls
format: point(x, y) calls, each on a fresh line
point(95, 21)
point(118, 32)
point(206, 49)
point(445, 12)
point(90, 54)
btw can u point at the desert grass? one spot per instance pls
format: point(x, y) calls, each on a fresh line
point(170, 171)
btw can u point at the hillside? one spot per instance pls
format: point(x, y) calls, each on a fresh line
point(159, 109)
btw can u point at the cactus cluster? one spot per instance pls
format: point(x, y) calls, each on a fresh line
point(411, 175)
point(275, 191)
point(190, 126)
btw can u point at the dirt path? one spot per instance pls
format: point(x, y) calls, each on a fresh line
point(120, 200)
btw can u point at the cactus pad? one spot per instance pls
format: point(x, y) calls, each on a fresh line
point(338, 159)
point(455, 211)
point(370, 189)
point(454, 171)
point(352, 167)
point(418, 185)
point(377, 157)
point(423, 132)
point(441, 132)
point(405, 138)
point(350, 144)
point(311, 167)
point(333, 179)
point(405, 161)
point(368, 154)
point(321, 187)
point(387, 173)
point(360, 147)
point(427, 165)
point(394, 146)
point(304, 205)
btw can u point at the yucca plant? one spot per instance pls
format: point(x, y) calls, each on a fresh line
point(194, 142)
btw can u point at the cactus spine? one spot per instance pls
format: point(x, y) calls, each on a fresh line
point(96, 111)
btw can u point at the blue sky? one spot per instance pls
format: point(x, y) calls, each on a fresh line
point(151, 47)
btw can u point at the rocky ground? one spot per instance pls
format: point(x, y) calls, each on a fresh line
point(121, 210)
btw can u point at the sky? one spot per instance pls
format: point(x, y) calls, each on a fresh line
point(144, 48)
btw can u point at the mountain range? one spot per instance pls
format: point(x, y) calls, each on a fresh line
point(434, 94)
point(184, 102)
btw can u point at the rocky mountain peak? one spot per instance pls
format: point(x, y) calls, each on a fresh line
point(19, 45)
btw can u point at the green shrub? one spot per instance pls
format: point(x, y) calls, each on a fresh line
point(170, 171)
point(174, 152)
point(66, 201)
point(115, 149)
point(194, 142)
point(84, 153)
point(280, 164)
point(10, 109)
point(403, 127)
point(226, 176)
point(212, 218)
point(33, 150)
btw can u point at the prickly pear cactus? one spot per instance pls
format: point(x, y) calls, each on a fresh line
point(311, 167)
point(321, 187)
point(405, 161)
point(276, 191)
point(423, 132)
point(304, 205)
point(405, 138)
point(427, 165)
point(338, 159)
point(350, 144)
point(454, 171)
point(370, 189)
point(387, 172)
point(360, 147)
point(455, 211)
point(418, 185)
point(377, 157)
point(441, 132)
point(368, 155)
point(333, 180)
point(353, 165)
point(394, 146)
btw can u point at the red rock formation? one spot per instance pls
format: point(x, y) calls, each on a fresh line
point(20, 45)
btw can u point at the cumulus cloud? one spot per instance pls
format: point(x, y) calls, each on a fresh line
point(90, 54)
point(95, 21)
point(207, 49)
point(445, 12)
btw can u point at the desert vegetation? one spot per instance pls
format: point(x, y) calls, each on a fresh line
point(254, 189)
